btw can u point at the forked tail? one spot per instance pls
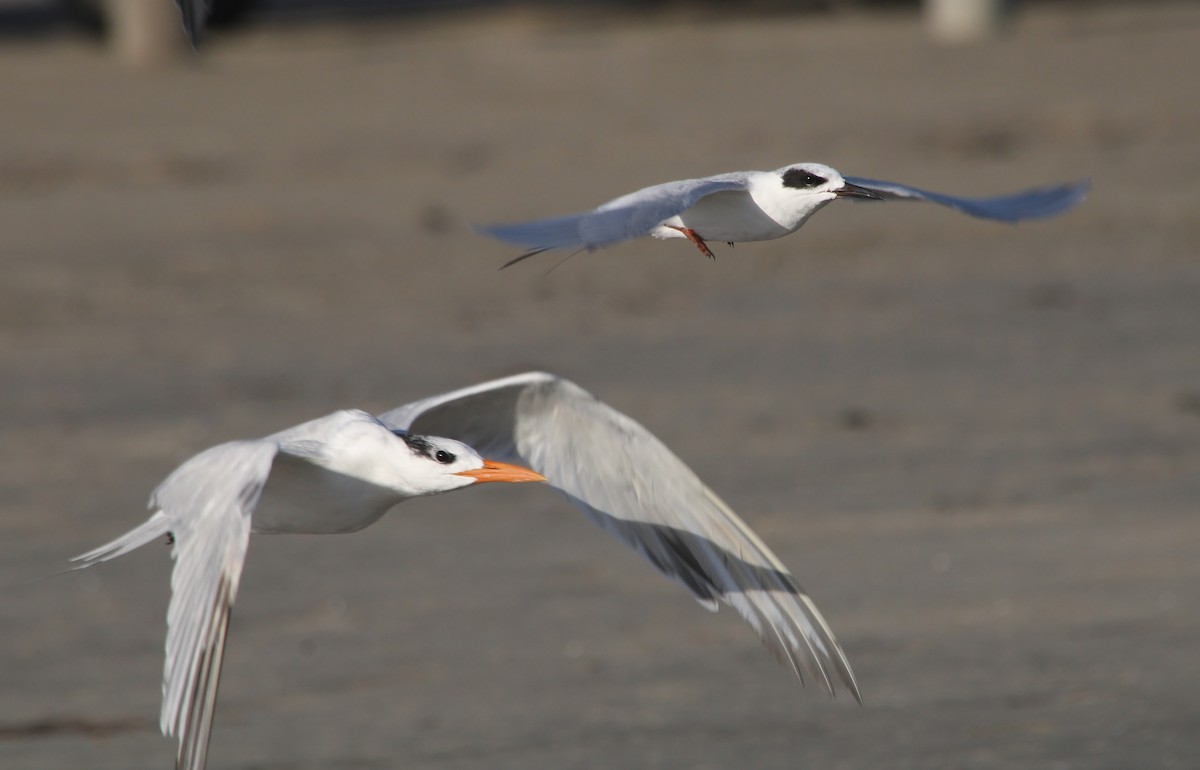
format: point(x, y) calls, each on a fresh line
point(153, 528)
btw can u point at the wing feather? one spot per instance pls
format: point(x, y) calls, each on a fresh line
point(193, 14)
point(206, 505)
point(622, 219)
point(1027, 204)
point(633, 486)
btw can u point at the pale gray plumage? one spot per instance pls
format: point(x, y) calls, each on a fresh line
point(634, 487)
point(194, 14)
point(219, 488)
point(1027, 204)
point(339, 474)
point(318, 477)
point(625, 218)
point(753, 206)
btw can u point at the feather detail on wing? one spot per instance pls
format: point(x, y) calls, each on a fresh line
point(631, 485)
point(206, 505)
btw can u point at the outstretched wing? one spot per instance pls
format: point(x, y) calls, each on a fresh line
point(205, 504)
point(625, 218)
point(630, 484)
point(1028, 204)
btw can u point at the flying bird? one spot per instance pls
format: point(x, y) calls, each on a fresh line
point(752, 206)
point(342, 472)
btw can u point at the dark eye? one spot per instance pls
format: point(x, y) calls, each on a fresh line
point(444, 457)
point(801, 179)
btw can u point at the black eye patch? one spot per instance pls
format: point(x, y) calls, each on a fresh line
point(800, 179)
point(421, 446)
point(417, 444)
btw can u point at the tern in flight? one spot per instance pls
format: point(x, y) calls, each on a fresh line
point(342, 472)
point(752, 206)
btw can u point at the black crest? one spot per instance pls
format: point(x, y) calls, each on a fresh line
point(801, 179)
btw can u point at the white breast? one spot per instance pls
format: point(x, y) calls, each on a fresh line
point(730, 216)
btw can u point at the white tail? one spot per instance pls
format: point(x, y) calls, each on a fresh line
point(153, 528)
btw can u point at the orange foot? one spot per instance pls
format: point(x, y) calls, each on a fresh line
point(699, 243)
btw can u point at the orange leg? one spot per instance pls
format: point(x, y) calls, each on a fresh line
point(696, 240)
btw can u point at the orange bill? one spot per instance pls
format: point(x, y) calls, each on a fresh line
point(495, 471)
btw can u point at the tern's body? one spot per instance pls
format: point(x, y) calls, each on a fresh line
point(750, 213)
point(752, 206)
point(335, 474)
point(343, 472)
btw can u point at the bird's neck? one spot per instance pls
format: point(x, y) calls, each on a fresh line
point(791, 218)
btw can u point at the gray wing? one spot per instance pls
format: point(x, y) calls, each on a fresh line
point(625, 218)
point(630, 484)
point(1028, 204)
point(205, 504)
point(194, 13)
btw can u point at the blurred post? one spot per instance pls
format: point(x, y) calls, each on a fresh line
point(145, 33)
point(964, 21)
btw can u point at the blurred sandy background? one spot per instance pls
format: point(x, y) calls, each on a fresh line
point(978, 446)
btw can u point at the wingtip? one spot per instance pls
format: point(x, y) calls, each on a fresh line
point(193, 14)
point(1072, 194)
point(497, 231)
point(1050, 201)
point(851, 684)
point(1075, 191)
point(193, 36)
point(848, 682)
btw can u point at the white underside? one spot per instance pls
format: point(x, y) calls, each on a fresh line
point(731, 217)
point(302, 498)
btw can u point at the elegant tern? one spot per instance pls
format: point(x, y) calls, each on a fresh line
point(753, 206)
point(342, 472)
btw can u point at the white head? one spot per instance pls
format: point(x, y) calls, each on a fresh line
point(439, 464)
point(413, 465)
point(799, 190)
